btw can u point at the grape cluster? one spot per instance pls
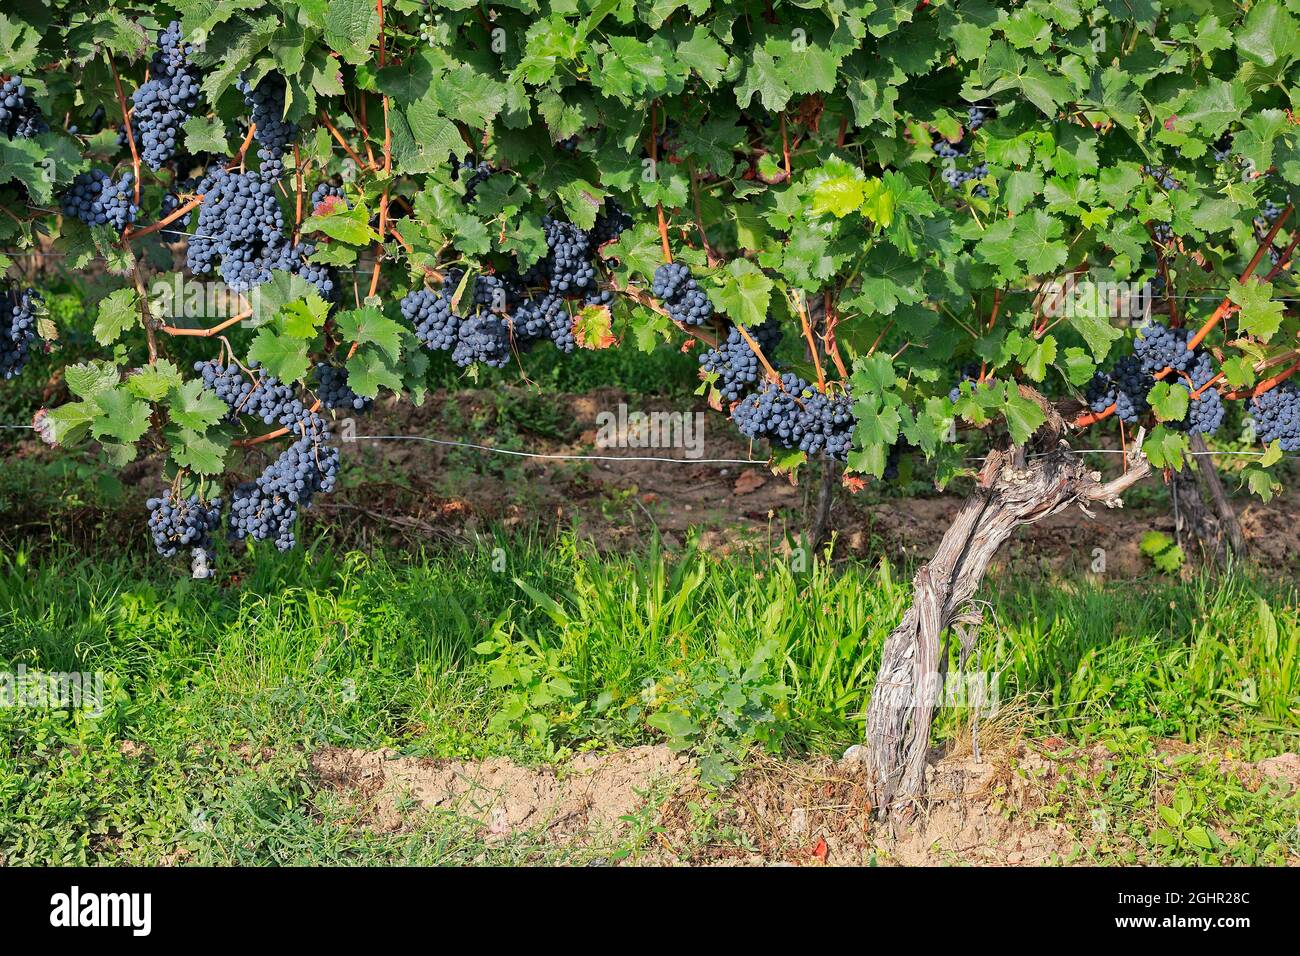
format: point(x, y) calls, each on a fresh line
point(166, 100)
point(1159, 347)
point(482, 338)
point(17, 328)
point(566, 268)
point(334, 392)
point(267, 398)
point(794, 414)
point(686, 302)
point(20, 117)
point(949, 150)
point(241, 232)
point(1126, 387)
point(476, 174)
point(1161, 175)
point(1204, 411)
point(1277, 416)
point(611, 223)
point(498, 292)
point(240, 228)
point(955, 177)
point(1223, 148)
point(1163, 232)
point(735, 363)
point(977, 116)
point(267, 508)
point(325, 191)
point(178, 524)
point(435, 324)
point(544, 318)
point(97, 200)
point(273, 132)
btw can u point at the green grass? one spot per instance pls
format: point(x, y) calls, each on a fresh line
point(224, 690)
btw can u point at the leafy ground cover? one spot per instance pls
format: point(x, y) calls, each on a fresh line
point(217, 700)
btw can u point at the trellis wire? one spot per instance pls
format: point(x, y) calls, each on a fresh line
point(718, 461)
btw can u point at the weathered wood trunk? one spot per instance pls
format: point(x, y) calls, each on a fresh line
point(1211, 526)
point(822, 509)
point(1016, 487)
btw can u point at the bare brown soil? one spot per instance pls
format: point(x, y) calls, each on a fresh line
point(811, 812)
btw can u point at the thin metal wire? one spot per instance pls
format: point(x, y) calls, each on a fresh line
point(721, 461)
point(530, 454)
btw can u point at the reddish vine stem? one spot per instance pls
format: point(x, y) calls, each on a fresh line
point(352, 153)
point(828, 337)
point(785, 145)
point(1267, 385)
point(654, 166)
point(206, 333)
point(126, 125)
point(812, 343)
point(1226, 305)
point(178, 213)
point(269, 436)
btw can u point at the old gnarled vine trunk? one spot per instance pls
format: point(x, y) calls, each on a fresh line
point(1016, 487)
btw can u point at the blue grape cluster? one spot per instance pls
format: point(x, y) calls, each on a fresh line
point(1277, 416)
point(977, 116)
point(498, 292)
point(794, 414)
point(268, 507)
point(166, 100)
point(566, 268)
point(686, 302)
point(1156, 348)
point(241, 231)
point(1223, 148)
point(482, 338)
point(97, 200)
point(948, 150)
point(735, 363)
point(273, 132)
point(17, 328)
point(1159, 347)
point(544, 318)
point(1162, 176)
point(334, 392)
point(183, 524)
point(1163, 232)
point(476, 174)
point(955, 177)
point(430, 314)
point(20, 117)
point(267, 398)
point(1126, 387)
point(1205, 412)
point(611, 223)
point(325, 191)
